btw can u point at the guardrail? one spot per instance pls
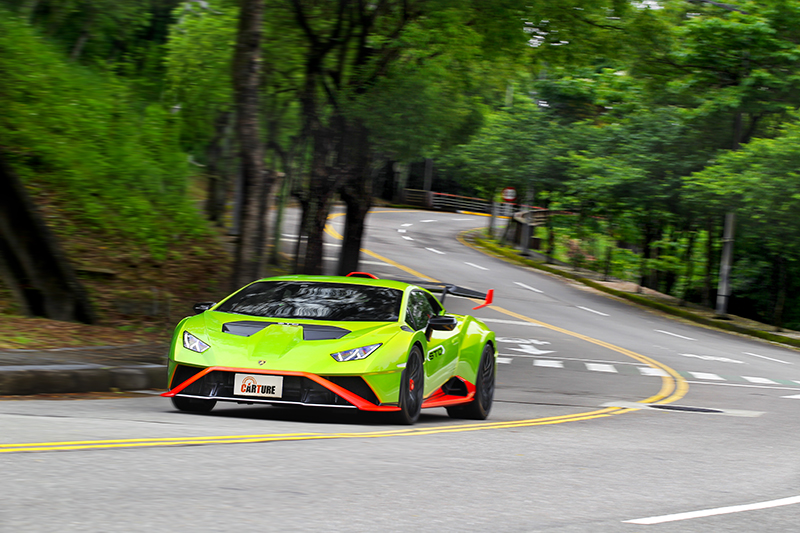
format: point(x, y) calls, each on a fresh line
point(454, 202)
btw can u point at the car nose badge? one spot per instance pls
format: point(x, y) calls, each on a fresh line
point(261, 362)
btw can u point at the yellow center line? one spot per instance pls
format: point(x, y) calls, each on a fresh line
point(673, 387)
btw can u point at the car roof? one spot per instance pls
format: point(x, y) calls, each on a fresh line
point(353, 280)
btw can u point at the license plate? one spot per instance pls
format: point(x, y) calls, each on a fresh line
point(258, 385)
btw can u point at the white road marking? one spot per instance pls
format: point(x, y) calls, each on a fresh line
point(429, 220)
point(714, 512)
point(656, 407)
point(334, 244)
point(531, 350)
point(768, 358)
point(591, 310)
point(512, 322)
point(514, 340)
point(406, 237)
point(742, 385)
point(401, 231)
point(476, 266)
point(288, 236)
point(597, 367)
point(504, 360)
point(650, 371)
point(706, 375)
point(713, 358)
point(460, 219)
point(434, 250)
point(675, 335)
point(406, 225)
point(549, 363)
point(578, 359)
point(793, 396)
point(527, 287)
point(760, 381)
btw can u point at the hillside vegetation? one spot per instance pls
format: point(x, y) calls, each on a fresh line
point(111, 181)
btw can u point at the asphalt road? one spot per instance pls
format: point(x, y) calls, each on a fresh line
point(607, 418)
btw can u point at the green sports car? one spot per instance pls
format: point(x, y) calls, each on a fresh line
point(331, 341)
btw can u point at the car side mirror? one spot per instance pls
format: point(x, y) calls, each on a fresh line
point(204, 306)
point(443, 323)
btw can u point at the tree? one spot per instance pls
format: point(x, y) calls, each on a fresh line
point(761, 183)
point(255, 181)
point(32, 263)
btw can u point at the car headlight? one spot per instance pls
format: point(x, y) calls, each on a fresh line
point(194, 344)
point(355, 354)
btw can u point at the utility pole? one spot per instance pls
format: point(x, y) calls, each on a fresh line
point(724, 289)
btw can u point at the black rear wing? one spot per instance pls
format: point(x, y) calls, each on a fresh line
point(455, 290)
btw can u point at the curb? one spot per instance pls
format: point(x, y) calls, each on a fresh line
point(45, 379)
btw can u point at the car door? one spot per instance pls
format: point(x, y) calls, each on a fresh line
point(442, 353)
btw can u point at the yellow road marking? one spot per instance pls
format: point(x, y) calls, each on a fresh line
point(673, 387)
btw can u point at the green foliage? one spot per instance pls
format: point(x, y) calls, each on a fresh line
point(112, 161)
point(198, 62)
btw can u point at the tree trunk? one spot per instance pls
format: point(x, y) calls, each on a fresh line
point(609, 250)
point(217, 173)
point(358, 204)
point(277, 230)
point(28, 10)
point(31, 261)
point(246, 81)
point(323, 182)
point(83, 38)
point(649, 276)
point(357, 195)
point(551, 234)
point(709, 262)
point(780, 299)
point(316, 218)
point(689, 267)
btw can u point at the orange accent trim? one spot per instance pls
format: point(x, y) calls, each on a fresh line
point(440, 399)
point(488, 301)
point(355, 399)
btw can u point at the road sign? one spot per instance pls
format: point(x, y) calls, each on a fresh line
point(509, 194)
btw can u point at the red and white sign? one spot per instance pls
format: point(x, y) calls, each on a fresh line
point(509, 194)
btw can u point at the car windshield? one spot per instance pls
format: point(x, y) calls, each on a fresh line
point(316, 300)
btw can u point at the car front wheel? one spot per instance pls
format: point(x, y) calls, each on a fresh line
point(193, 405)
point(411, 388)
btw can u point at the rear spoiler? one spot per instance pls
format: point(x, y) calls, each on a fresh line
point(444, 288)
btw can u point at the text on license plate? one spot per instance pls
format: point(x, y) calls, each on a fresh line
point(258, 385)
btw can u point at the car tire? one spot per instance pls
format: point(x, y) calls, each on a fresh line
point(193, 405)
point(412, 381)
point(481, 404)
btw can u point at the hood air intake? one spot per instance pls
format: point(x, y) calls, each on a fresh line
point(311, 332)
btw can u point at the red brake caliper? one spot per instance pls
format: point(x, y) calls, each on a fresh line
point(410, 384)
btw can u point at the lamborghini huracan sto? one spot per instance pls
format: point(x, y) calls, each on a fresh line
point(342, 342)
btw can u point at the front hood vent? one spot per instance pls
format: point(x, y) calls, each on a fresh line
point(311, 332)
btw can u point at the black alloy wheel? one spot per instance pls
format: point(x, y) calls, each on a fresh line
point(193, 405)
point(412, 382)
point(481, 404)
